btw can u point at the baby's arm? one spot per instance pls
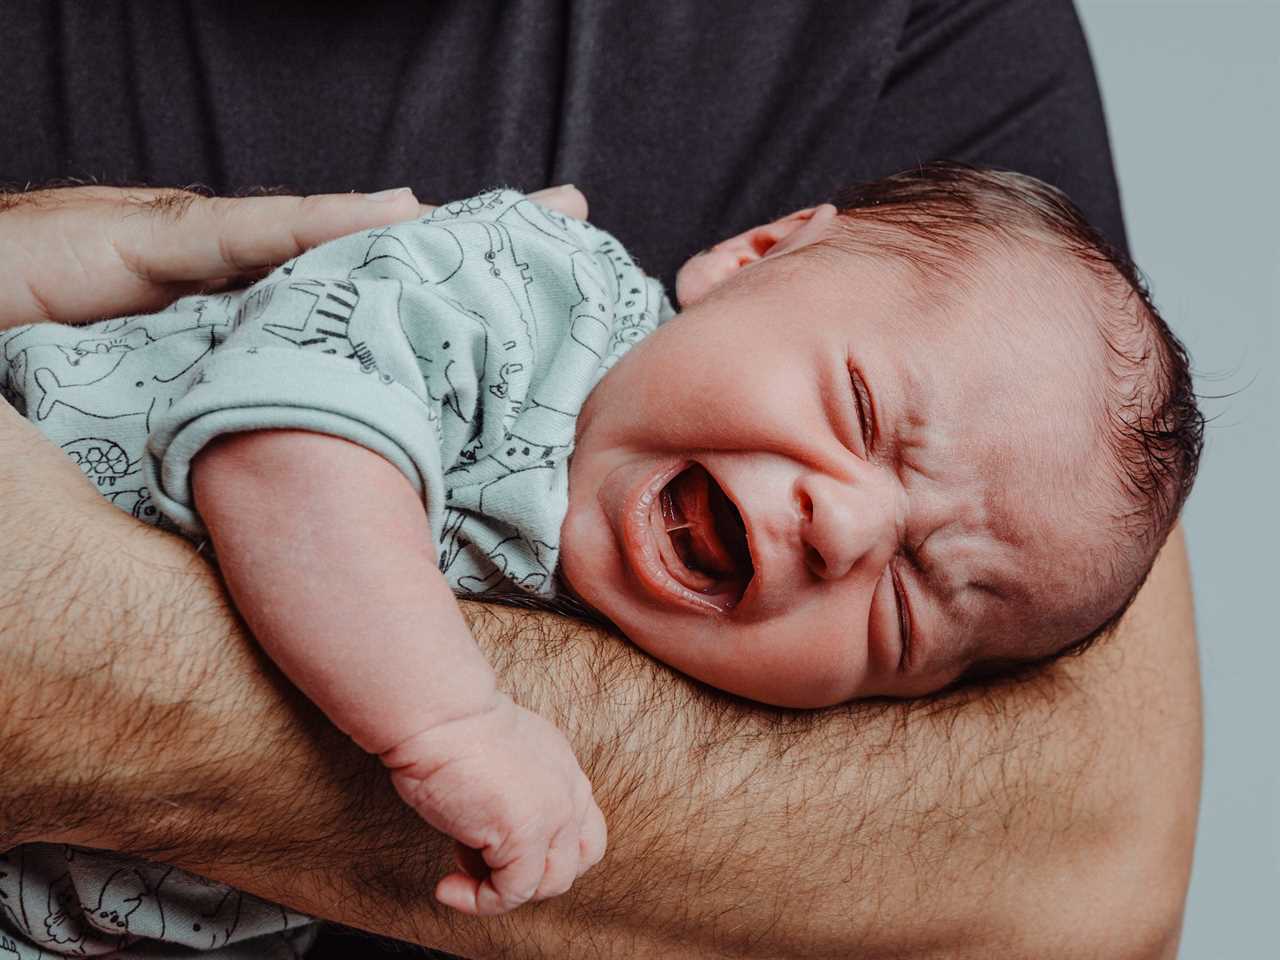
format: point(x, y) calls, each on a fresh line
point(327, 553)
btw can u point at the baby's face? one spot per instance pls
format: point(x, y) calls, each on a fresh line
point(808, 487)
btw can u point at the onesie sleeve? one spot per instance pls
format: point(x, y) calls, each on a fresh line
point(429, 342)
point(324, 355)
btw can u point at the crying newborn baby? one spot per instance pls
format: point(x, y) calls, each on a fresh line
point(933, 431)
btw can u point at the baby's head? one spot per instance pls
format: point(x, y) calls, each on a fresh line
point(927, 433)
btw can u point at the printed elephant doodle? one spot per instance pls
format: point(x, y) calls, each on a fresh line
point(468, 348)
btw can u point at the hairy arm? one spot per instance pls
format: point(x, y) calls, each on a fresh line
point(1046, 819)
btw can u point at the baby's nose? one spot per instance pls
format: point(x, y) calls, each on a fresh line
point(844, 526)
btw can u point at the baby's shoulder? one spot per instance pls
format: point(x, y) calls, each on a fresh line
point(510, 210)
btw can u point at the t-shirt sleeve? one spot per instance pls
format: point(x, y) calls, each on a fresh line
point(328, 356)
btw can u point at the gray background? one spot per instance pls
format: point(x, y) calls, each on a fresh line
point(1191, 92)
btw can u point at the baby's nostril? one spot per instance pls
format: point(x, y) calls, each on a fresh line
point(806, 505)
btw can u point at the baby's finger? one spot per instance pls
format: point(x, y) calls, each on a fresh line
point(562, 863)
point(197, 238)
point(514, 883)
point(566, 198)
point(457, 890)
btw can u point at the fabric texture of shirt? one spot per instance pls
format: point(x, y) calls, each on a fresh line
point(460, 347)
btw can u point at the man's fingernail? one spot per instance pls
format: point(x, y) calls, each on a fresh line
point(395, 193)
point(565, 188)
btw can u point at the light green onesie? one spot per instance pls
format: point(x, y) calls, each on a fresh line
point(460, 347)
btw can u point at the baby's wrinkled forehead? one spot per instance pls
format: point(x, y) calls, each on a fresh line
point(1016, 291)
point(1034, 313)
point(979, 277)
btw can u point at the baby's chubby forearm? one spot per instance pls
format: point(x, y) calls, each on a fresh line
point(326, 550)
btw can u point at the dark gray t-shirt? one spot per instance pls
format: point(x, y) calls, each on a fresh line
point(683, 121)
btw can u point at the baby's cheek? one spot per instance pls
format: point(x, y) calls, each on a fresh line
point(842, 674)
point(811, 673)
point(583, 567)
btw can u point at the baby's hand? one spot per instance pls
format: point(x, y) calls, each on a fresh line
point(503, 782)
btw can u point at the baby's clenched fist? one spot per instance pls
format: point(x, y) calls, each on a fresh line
point(505, 783)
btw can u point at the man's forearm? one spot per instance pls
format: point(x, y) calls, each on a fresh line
point(143, 719)
point(1051, 818)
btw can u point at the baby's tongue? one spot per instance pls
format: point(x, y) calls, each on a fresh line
point(692, 494)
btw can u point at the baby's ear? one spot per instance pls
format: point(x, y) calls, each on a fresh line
point(705, 271)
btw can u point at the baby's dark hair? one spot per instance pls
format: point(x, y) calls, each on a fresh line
point(935, 218)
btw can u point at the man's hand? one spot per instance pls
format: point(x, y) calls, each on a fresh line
point(84, 253)
point(78, 254)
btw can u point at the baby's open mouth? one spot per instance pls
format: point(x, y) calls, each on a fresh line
point(701, 537)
